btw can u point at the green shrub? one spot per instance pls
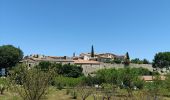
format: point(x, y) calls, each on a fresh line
point(59, 86)
point(68, 70)
point(67, 81)
point(139, 83)
point(3, 85)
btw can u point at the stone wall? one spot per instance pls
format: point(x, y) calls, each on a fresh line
point(92, 68)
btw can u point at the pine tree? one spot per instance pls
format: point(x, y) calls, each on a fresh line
point(92, 51)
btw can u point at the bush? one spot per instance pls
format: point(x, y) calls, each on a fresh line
point(67, 81)
point(59, 86)
point(90, 81)
point(139, 83)
point(116, 76)
point(3, 85)
point(66, 70)
point(154, 88)
point(70, 71)
point(118, 61)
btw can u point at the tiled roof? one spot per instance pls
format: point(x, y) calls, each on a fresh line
point(51, 59)
point(151, 78)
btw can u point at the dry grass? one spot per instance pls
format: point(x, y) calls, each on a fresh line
point(9, 96)
point(61, 95)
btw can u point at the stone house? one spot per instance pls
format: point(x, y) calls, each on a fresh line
point(88, 66)
point(35, 60)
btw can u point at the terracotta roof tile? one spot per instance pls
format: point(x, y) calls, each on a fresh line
point(150, 78)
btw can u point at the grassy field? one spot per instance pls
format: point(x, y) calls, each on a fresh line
point(55, 94)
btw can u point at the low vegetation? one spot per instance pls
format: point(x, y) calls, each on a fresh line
point(65, 82)
point(125, 84)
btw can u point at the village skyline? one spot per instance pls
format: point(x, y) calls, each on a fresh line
point(63, 27)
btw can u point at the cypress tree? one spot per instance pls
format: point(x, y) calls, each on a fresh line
point(92, 51)
point(74, 54)
point(127, 56)
point(127, 59)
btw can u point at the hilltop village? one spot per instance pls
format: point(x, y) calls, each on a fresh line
point(96, 72)
point(90, 62)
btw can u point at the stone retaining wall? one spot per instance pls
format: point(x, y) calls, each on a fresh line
point(92, 68)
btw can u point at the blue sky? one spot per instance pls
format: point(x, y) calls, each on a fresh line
point(61, 27)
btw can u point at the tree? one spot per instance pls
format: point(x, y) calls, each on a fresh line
point(30, 84)
point(127, 77)
point(154, 88)
point(89, 80)
point(84, 91)
point(162, 60)
point(9, 56)
point(117, 61)
point(92, 51)
point(74, 54)
point(127, 59)
point(68, 70)
point(136, 61)
point(45, 65)
point(141, 71)
point(145, 61)
point(108, 91)
point(127, 56)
